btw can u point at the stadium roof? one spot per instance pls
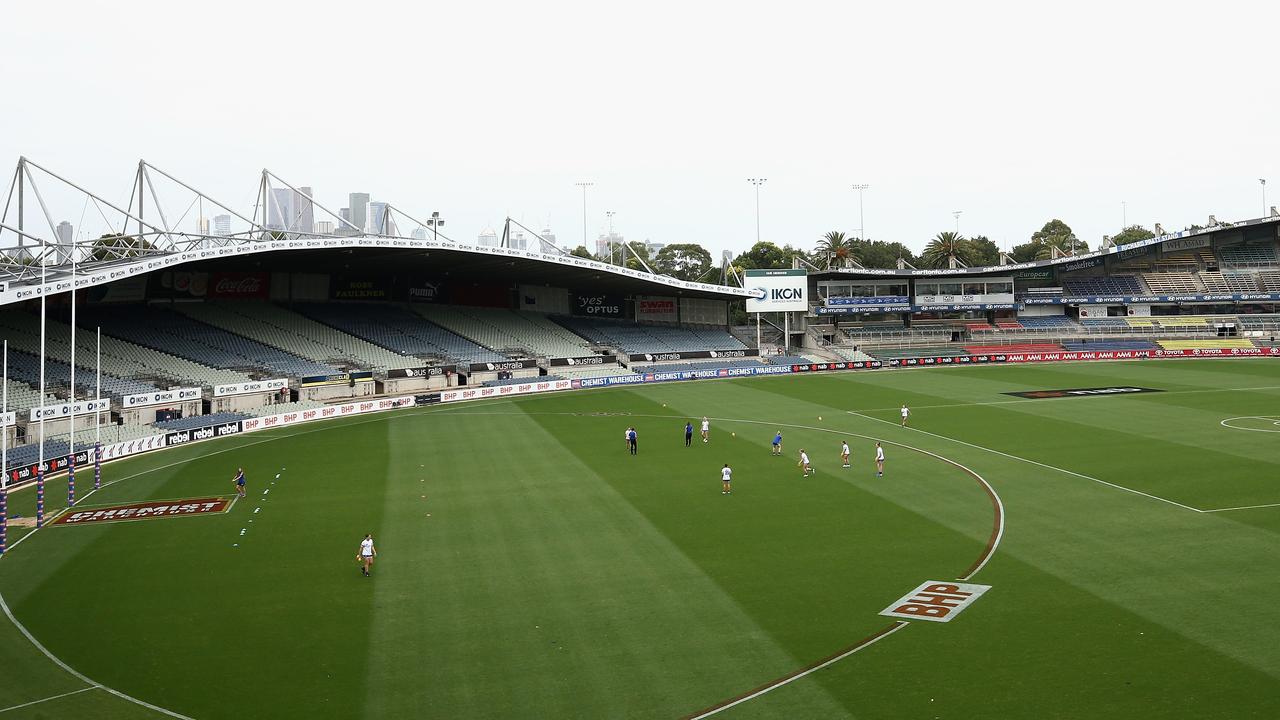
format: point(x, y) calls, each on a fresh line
point(1182, 240)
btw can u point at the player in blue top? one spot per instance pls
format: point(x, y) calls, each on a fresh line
point(777, 443)
point(239, 481)
point(631, 440)
point(688, 434)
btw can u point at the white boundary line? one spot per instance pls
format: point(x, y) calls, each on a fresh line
point(1242, 507)
point(1073, 397)
point(1034, 462)
point(77, 674)
point(51, 697)
point(1275, 420)
point(797, 676)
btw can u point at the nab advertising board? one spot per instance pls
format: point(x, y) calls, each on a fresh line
point(777, 290)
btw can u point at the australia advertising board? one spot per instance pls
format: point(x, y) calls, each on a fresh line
point(777, 290)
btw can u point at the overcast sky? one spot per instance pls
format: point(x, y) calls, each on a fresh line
point(1012, 113)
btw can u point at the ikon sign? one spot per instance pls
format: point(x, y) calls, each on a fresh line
point(777, 290)
point(935, 601)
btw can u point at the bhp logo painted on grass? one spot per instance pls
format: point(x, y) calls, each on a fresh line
point(935, 601)
point(145, 511)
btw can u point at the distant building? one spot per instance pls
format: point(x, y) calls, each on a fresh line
point(653, 247)
point(359, 209)
point(517, 240)
point(280, 209)
point(323, 227)
point(548, 237)
point(419, 233)
point(66, 233)
point(488, 237)
point(607, 242)
point(222, 225)
point(304, 210)
point(202, 225)
point(377, 215)
point(726, 257)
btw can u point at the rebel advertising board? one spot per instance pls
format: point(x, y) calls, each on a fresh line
point(777, 290)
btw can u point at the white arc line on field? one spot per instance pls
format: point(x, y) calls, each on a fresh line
point(77, 674)
point(1033, 462)
point(797, 676)
point(51, 697)
point(1242, 507)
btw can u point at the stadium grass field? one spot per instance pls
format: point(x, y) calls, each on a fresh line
point(529, 567)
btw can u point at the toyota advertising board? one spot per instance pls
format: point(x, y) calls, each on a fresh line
point(777, 290)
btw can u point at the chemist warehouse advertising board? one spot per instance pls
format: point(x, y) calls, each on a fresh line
point(777, 290)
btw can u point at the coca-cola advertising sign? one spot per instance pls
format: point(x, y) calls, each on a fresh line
point(240, 286)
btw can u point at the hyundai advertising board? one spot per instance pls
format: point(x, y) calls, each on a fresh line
point(777, 290)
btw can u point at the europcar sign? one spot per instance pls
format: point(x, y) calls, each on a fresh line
point(777, 290)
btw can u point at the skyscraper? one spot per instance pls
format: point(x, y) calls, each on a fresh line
point(606, 242)
point(222, 225)
point(280, 211)
point(66, 233)
point(548, 237)
point(377, 213)
point(304, 210)
point(488, 237)
point(419, 233)
point(323, 227)
point(359, 209)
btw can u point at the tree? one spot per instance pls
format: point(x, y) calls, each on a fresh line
point(947, 249)
point(985, 252)
point(636, 247)
point(880, 254)
point(685, 261)
point(113, 246)
point(1133, 233)
point(834, 247)
point(1057, 234)
point(1026, 252)
point(582, 252)
point(763, 255)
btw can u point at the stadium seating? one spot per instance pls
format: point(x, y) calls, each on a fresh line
point(1013, 348)
point(633, 338)
point(1112, 323)
point(577, 373)
point(161, 328)
point(1206, 344)
point(1089, 345)
point(515, 333)
point(790, 360)
point(23, 397)
point(1269, 280)
point(1172, 283)
point(1046, 322)
point(397, 329)
point(1252, 255)
point(1241, 282)
point(520, 380)
point(924, 351)
point(1104, 285)
point(1214, 282)
point(281, 328)
point(1008, 324)
point(850, 354)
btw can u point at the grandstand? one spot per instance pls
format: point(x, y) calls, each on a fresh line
point(632, 338)
point(525, 334)
point(1105, 285)
point(397, 329)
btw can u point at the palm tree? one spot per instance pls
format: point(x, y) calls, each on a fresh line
point(835, 245)
point(948, 249)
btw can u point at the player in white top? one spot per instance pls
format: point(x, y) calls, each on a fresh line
point(906, 411)
point(726, 474)
point(706, 430)
point(844, 453)
point(367, 554)
point(879, 461)
point(804, 463)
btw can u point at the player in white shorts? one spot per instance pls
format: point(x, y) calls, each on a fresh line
point(706, 430)
point(804, 463)
point(879, 461)
point(906, 411)
point(844, 453)
point(726, 474)
point(366, 554)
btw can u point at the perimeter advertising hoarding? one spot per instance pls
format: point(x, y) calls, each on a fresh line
point(503, 365)
point(585, 360)
point(346, 378)
point(777, 290)
point(435, 371)
point(693, 355)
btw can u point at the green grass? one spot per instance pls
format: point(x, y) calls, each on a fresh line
point(529, 567)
